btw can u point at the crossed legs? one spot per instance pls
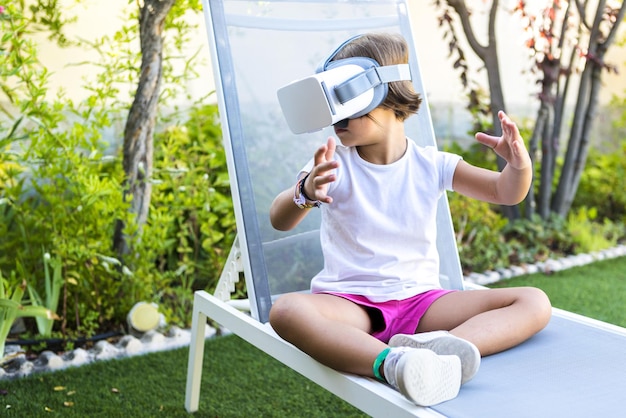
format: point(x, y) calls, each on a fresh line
point(335, 331)
point(494, 320)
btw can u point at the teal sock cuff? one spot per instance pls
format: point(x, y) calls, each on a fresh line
point(379, 360)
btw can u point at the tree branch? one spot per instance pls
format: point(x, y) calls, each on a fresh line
point(464, 16)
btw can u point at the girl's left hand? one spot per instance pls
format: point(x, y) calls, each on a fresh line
point(509, 146)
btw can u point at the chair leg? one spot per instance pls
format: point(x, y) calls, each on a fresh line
point(196, 354)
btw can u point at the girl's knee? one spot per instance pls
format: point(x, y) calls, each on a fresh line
point(283, 310)
point(538, 304)
point(280, 308)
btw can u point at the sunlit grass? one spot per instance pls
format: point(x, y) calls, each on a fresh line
point(597, 290)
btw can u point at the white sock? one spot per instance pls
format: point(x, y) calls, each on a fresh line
point(391, 361)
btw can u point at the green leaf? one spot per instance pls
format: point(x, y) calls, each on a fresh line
point(9, 304)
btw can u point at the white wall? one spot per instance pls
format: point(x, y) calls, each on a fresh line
point(519, 87)
point(99, 17)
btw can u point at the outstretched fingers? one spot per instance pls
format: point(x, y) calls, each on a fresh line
point(322, 174)
point(516, 152)
point(510, 145)
point(487, 140)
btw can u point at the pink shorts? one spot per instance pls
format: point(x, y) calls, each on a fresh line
point(398, 316)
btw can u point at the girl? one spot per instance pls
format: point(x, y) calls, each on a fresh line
point(377, 309)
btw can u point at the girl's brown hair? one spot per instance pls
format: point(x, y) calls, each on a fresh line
point(387, 49)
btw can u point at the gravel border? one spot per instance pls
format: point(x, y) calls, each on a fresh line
point(548, 266)
point(17, 365)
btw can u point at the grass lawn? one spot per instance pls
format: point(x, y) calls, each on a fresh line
point(241, 381)
point(597, 290)
point(238, 381)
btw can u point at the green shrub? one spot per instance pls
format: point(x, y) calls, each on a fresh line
point(191, 222)
point(590, 235)
point(603, 185)
point(58, 192)
point(61, 189)
point(535, 239)
point(69, 205)
point(478, 234)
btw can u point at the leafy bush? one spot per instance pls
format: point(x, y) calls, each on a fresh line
point(590, 235)
point(603, 185)
point(478, 234)
point(69, 205)
point(61, 191)
point(535, 239)
point(191, 223)
point(58, 191)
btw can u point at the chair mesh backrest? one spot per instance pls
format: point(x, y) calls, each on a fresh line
point(257, 47)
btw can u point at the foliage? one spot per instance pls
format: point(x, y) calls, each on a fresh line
point(478, 237)
point(191, 223)
point(535, 239)
point(52, 286)
point(551, 36)
point(592, 236)
point(60, 187)
point(530, 240)
point(487, 241)
point(562, 37)
point(603, 185)
point(11, 307)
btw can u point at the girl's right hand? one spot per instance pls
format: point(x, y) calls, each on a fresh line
point(321, 174)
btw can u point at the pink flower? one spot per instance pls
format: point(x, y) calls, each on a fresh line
point(2, 9)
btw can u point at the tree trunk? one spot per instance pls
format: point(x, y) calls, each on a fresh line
point(576, 161)
point(549, 99)
point(139, 129)
point(583, 152)
point(585, 111)
point(554, 91)
point(489, 56)
point(540, 124)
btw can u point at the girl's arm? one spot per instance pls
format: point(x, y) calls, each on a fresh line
point(284, 213)
point(508, 187)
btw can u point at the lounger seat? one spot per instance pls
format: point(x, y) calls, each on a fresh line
point(573, 368)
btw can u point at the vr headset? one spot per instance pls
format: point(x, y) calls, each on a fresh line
point(340, 90)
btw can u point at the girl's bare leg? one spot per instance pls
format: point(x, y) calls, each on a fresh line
point(330, 329)
point(494, 320)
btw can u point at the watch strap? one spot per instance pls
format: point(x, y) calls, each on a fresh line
point(301, 199)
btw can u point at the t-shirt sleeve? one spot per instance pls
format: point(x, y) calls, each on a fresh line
point(447, 166)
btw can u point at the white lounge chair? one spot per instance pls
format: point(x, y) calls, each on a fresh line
point(573, 368)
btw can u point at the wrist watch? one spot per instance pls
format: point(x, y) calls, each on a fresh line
point(300, 198)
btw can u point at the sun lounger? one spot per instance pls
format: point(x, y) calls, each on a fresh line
point(573, 368)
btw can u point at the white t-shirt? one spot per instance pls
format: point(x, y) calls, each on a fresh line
point(378, 235)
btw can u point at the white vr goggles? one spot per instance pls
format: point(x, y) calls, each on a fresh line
point(340, 90)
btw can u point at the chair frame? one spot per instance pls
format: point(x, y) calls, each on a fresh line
point(248, 319)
